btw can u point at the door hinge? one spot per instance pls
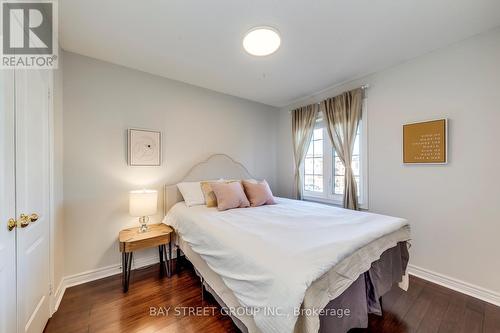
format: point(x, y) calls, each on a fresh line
point(48, 93)
point(51, 290)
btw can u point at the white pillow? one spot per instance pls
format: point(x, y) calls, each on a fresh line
point(192, 194)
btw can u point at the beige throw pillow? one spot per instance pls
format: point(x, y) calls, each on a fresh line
point(208, 193)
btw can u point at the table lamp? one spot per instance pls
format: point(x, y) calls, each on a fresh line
point(143, 203)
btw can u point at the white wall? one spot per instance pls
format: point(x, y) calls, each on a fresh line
point(454, 209)
point(101, 101)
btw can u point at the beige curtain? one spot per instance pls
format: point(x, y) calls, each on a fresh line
point(342, 114)
point(303, 120)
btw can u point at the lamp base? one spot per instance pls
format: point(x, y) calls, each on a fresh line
point(143, 221)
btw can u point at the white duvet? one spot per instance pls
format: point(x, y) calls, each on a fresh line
point(269, 255)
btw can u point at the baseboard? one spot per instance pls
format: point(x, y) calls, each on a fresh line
point(443, 280)
point(455, 284)
point(57, 296)
point(96, 274)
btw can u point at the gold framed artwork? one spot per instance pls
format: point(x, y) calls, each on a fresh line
point(426, 142)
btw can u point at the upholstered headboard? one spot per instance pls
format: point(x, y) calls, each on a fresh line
point(215, 167)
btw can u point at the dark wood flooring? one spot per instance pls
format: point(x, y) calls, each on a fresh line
point(101, 306)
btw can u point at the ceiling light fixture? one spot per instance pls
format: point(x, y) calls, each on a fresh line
point(262, 41)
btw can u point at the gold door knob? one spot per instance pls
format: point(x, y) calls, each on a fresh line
point(24, 220)
point(11, 224)
point(34, 217)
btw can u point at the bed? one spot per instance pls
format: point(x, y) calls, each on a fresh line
point(291, 267)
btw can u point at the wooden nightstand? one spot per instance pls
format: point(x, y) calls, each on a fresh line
point(131, 240)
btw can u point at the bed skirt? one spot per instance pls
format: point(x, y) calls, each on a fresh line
point(361, 298)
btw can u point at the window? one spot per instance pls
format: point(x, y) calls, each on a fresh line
point(313, 163)
point(324, 172)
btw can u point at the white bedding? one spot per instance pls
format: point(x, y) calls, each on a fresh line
point(269, 255)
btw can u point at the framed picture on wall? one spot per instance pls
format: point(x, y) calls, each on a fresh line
point(144, 147)
point(426, 142)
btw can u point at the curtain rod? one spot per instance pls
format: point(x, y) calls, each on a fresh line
point(363, 87)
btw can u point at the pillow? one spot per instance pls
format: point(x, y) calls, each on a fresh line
point(230, 195)
point(258, 193)
point(206, 188)
point(210, 199)
point(192, 194)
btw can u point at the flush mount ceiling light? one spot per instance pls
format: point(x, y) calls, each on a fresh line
point(262, 41)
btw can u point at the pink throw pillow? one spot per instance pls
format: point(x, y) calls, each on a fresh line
point(258, 193)
point(229, 195)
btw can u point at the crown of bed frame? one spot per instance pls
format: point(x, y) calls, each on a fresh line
point(215, 167)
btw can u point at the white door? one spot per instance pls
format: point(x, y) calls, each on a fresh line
point(32, 197)
point(7, 205)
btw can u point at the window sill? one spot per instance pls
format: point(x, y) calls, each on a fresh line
point(331, 202)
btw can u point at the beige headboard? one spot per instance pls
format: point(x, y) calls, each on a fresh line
point(216, 166)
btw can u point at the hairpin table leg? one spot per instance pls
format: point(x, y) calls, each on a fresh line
point(169, 266)
point(124, 270)
point(127, 267)
point(162, 266)
point(178, 260)
point(168, 259)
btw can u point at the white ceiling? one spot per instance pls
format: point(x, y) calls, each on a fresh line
point(324, 42)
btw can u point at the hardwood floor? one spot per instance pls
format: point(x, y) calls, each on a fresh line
point(100, 306)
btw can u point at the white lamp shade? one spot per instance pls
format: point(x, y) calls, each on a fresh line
point(143, 202)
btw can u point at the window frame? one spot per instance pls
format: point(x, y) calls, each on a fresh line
point(317, 126)
point(328, 196)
